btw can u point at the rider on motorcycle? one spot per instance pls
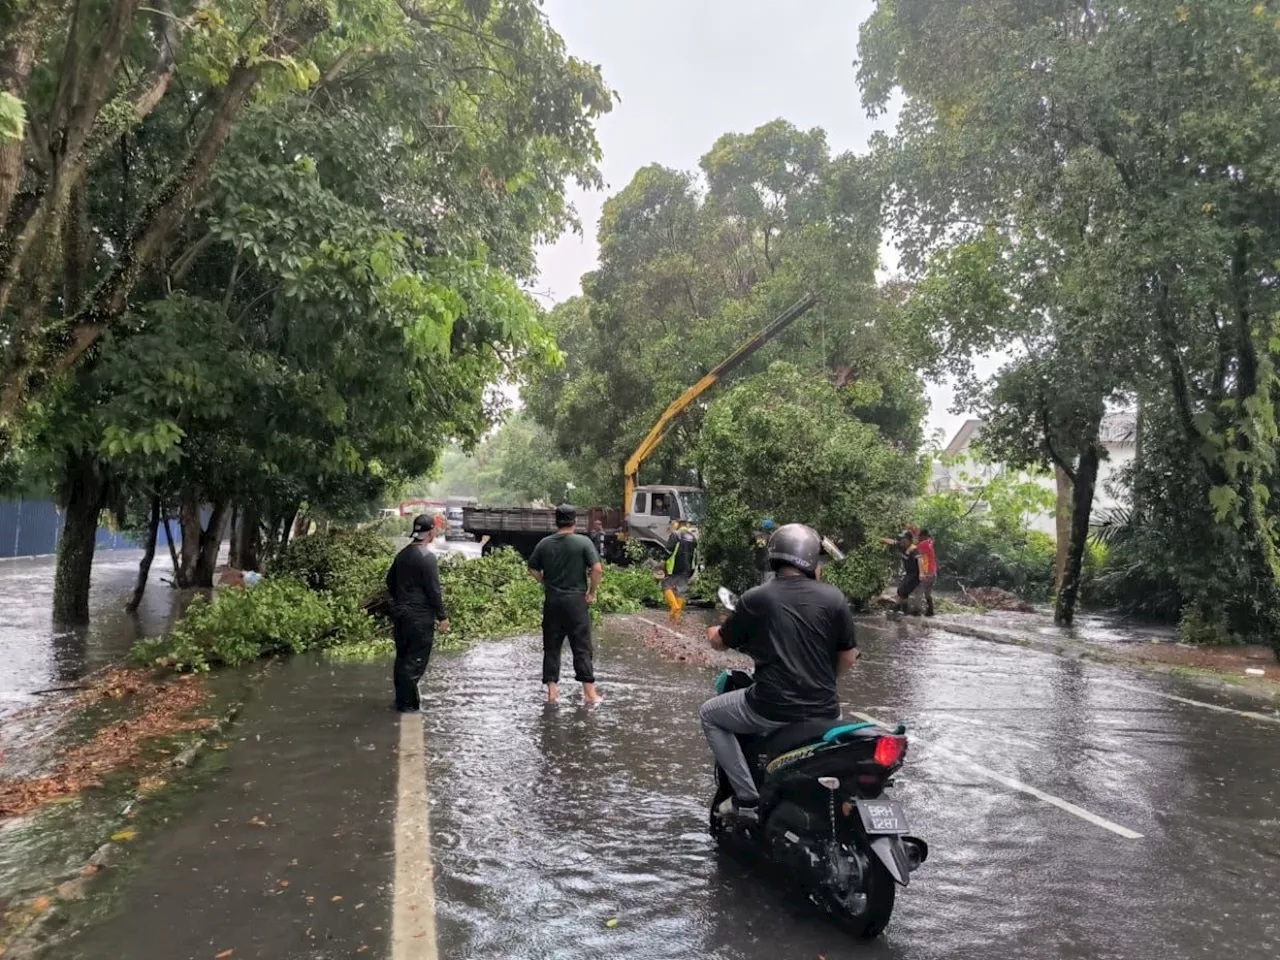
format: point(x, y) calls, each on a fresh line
point(799, 632)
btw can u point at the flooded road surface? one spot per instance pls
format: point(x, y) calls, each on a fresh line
point(1073, 811)
point(39, 655)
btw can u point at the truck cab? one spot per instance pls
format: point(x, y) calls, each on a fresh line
point(653, 507)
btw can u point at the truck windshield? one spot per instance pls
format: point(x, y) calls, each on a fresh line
point(695, 505)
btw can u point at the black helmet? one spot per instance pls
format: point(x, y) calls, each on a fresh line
point(795, 545)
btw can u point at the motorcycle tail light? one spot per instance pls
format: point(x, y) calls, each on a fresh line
point(889, 751)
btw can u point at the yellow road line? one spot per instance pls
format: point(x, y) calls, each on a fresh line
point(413, 917)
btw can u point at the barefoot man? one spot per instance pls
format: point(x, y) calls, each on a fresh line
point(569, 569)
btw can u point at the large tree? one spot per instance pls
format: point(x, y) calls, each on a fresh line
point(784, 446)
point(144, 100)
point(1157, 125)
point(692, 264)
point(339, 291)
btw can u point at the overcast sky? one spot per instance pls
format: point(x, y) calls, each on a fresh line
point(686, 72)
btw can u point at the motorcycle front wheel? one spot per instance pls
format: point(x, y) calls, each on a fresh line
point(867, 918)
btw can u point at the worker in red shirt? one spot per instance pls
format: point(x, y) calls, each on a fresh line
point(928, 569)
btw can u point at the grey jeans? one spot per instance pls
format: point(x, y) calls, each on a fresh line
point(722, 718)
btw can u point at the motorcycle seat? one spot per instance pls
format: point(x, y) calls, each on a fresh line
point(807, 732)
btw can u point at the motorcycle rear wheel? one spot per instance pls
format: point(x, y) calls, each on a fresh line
point(870, 922)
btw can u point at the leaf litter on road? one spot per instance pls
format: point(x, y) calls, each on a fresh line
point(165, 710)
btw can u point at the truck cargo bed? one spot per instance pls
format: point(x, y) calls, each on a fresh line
point(513, 520)
point(523, 527)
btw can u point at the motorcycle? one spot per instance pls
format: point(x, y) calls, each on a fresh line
point(824, 816)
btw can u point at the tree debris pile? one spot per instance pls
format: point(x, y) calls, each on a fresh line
point(495, 597)
point(685, 642)
point(993, 598)
point(164, 709)
point(329, 590)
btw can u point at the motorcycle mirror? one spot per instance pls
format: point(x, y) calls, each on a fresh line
point(728, 599)
point(831, 783)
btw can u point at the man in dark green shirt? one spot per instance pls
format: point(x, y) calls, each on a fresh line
point(569, 569)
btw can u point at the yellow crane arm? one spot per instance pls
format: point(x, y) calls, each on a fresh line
point(682, 403)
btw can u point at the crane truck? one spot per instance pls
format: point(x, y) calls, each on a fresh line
point(648, 509)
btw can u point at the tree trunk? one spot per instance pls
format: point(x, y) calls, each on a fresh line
point(189, 524)
point(17, 57)
point(233, 553)
point(86, 496)
point(1063, 520)
point(149, 554)
point(246, 542)
point(1081, 508)
point(210, 543)
point(75, 128)
point(179, 576)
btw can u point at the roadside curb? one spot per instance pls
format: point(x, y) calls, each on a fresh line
point(30, 921)
point(1096, 653)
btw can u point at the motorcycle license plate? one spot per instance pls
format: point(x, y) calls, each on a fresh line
point(882, 816)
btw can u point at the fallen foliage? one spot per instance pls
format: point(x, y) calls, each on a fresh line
point(165, 709)
point(494, 597)
point(684, 642)
point(993, 598)
point(329, 591)
point(114, 683)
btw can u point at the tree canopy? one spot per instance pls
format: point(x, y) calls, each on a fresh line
point(271, 256)
point(510, 467)
point(785, 446)
point(690, 265)
point(1092, 183)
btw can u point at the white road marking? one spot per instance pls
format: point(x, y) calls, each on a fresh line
point(993, 730)
point(658, 626)
point(413, 915)
point(1021, 787)
point(1266, 718)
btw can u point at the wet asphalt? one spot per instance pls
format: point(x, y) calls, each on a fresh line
point(40, 655)
point(549, 823)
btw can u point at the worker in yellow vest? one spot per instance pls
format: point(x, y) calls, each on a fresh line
point(679, 567)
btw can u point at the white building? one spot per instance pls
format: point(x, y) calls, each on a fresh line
point(959, 469)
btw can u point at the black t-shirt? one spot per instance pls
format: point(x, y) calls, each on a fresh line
point(414, 584)
point(563, 559)
point(794, 629)
point(910, 558)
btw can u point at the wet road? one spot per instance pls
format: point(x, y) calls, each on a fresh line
point(38, 655)
point(546, 823)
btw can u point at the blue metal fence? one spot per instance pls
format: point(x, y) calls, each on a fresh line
point(9, 514)
point(38, 527)
point(31, 528)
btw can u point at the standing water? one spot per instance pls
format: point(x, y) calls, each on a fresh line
point(42, 662)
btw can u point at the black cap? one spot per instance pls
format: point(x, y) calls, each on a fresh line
point(566, 516)
point(423, 525)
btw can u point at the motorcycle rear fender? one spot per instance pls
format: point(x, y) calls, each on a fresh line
point(890, 851)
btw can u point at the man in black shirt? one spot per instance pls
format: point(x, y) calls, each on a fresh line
point(417, 605)
point(906, 548)
point(569, 569)
point(799, 632)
